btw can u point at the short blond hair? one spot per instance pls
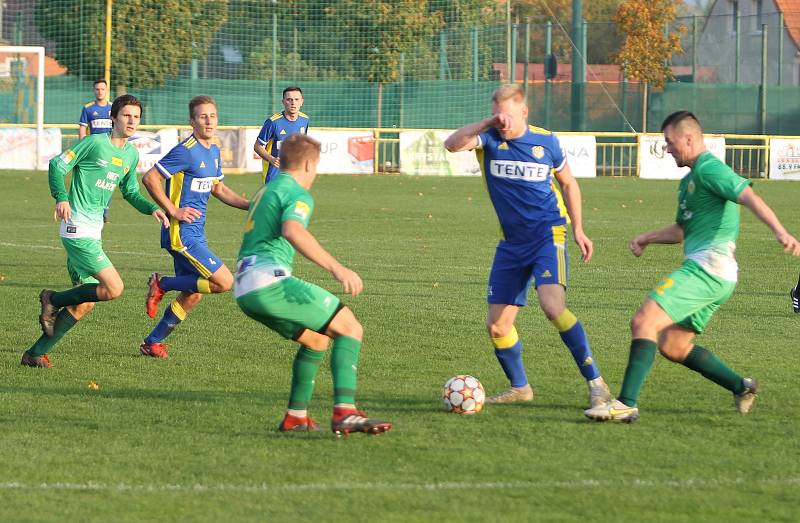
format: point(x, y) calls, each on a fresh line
point(507, 92)
point(298, 148)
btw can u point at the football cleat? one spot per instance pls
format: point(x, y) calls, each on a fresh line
point(795, 295)
point(42, 361)
point(154, 350)
point(294, 424)
point(744, 400)
point(154, 294)
point(47, 316)
point(512, 395)
point(346, 421)
point(613, 411)
point(599, 394)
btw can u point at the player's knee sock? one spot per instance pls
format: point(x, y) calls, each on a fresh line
point(64, 322)
point(640, 360)
point(173, 315)
point(344, 368)
point(185, 283)
point(574, 337)
point(76, 295)
point(304, 370)
point(710, 367)
point(508, 350)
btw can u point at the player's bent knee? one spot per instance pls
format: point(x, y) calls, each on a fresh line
point(221, 281)
point(345, 324)
point(498, 329)
point(674, 352)
point(110, 291)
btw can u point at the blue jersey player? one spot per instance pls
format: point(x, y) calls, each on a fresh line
point(193, 172)
point(277, 128)
point(96, 119)
point(519, 163)
point(96, 116)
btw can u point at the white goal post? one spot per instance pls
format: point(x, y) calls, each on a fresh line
point(39, 52)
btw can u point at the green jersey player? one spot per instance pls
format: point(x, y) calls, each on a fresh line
point(680, 307)
point(99, 163)
point(266, 291)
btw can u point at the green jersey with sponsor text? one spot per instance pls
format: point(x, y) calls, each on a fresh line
point(97, 167)
point(280, 200)
point(709, 215)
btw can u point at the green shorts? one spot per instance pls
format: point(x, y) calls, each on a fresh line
point(291, 306)
point(690, 295)
point(85, 258)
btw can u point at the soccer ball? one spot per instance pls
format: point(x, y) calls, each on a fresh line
point(463, 394)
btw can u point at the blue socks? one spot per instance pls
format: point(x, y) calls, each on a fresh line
point(179, 283)
point(574, 337)
point(173, 315)
point(508, 350)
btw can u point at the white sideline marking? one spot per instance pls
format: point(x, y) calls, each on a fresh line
point(441, 486)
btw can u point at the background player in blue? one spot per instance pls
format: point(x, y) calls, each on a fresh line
point(96, 118)
point(277, 128)
point(193, 171)
point(519, 163)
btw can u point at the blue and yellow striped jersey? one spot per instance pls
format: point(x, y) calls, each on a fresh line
point(519, 178)
point(276, 129)
point(191, 171)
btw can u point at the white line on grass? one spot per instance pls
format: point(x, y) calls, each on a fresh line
point(389, 487)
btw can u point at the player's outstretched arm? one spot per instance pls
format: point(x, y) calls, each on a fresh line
point(152, 182)
point(668, 235)
point(466, 138)
point(229, 197)
point(763, 212)
point(129, 187)
point(572, 199)
point(307, 245)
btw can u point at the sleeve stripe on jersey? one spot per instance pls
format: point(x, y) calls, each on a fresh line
point(84, 124)
point(562, 164)
point(164, 172)
point(480, 142)
point(262, 142)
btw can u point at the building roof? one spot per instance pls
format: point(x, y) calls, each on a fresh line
point(791, 18)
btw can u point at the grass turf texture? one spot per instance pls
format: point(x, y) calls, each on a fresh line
point(193, 438)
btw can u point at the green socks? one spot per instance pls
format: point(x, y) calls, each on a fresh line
point(64, 322)
point(304, 370)
point(640, 360)
point(344, 366)
point(76, 295)
point(710, 367)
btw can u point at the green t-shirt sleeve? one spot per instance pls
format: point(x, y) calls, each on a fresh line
point(299, 209)
point(723, 181)
point(62, 164)
point(129, 187)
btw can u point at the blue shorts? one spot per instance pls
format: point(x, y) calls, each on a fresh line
point(196, 259)
point(543, 260)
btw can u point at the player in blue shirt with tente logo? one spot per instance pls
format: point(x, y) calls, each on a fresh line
point(96, 118)
point(277, 128)
point(193, 172)
point(519, 163)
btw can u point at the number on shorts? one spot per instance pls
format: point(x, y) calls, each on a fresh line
point(665, 284)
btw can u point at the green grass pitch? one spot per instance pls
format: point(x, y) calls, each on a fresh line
point(193, 438)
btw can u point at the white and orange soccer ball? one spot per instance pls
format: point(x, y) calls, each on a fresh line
point(463, 394)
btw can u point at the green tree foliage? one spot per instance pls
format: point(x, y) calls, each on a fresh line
point(151, 39)
point(388, 29)
point(646, 50)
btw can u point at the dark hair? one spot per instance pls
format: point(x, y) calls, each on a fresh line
point(298, 148)
point(122, 101)
point(291, 88)
point(199, 100)
point(100, 81)
point(677, 117)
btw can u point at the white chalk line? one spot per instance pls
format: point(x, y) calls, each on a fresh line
point(267, 488)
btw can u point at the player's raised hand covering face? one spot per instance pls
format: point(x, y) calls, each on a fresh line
point(510, 117)
point(204, 122)
point(127, 121)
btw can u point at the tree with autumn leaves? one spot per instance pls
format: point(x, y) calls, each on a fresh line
point(647, 48)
